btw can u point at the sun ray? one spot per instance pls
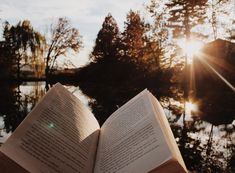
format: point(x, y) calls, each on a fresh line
point(192, 85)
point(219, 62)
point(202, 59)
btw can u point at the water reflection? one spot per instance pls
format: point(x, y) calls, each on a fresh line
point(16, 101)
point(205, 147)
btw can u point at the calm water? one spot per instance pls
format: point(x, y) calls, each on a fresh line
point(22, 99)
point(205, 147)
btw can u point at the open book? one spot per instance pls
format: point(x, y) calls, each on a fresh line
point(61, 135)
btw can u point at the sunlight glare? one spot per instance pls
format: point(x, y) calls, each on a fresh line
point(51, 125)
point(190, 48)
point(190, 107)
point(230, 85)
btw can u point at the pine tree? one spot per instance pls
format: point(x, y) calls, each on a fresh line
point(184, 15)
point(159, 34)
point(107, 41)
point(218, 8)
point(133, 37)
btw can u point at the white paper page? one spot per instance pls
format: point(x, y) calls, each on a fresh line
point(59, 135)
point(168, 133)
point(131, 140)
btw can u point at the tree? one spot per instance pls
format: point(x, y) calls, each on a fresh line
point(6, 63)
point(185, 14)
point(63, 38)
point(218, 9)
point(22, 43)
point(159, 34)
point(133, 37)
point(159, 30)
point(107, 41)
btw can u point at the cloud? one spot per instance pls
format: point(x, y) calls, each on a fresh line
point(86, 15)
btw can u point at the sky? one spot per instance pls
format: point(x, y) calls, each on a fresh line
point(86, 15)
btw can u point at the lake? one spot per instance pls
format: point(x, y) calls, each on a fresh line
point(205, 147)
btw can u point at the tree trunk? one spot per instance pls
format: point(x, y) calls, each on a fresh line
point(18, 69)
point(47, 70)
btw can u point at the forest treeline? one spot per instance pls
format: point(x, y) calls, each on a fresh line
point(23, 46)
point(122, 63)
point(154, 41)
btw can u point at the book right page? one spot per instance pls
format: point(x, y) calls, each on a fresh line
point(131, 139)
point(179, 166)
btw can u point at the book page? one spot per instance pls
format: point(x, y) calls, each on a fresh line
point(131, 139)
point(7, 165)
point(171, 166)
point(59, 135)
point(169, 135)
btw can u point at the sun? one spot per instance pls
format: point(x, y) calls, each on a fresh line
point(190, 108)
point(190, 48)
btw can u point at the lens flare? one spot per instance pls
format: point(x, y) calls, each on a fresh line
point(190, 107)
point(190, 48)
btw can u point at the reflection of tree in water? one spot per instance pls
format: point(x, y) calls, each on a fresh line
point(200, 150)
point(204, 149)
point(209, 147)
point(15, 104)
point(219, 151)
point(8, 106)
point(204, 146)
point(30, 99)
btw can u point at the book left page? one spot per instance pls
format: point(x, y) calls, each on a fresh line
point(59, 135)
